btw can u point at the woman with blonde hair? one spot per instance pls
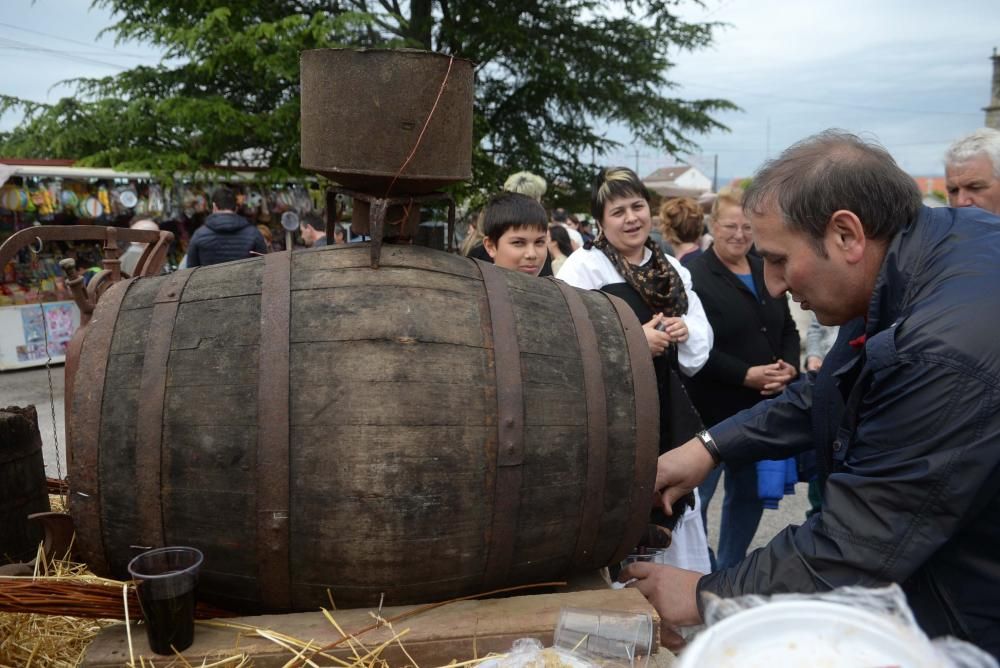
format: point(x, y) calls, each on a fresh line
point(754, 356)
point(474, 238)
point(683, 224)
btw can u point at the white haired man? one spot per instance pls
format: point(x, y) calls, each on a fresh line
point(972, 170)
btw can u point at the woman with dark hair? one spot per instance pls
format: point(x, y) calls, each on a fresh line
point(560, 247)
point(626, 263)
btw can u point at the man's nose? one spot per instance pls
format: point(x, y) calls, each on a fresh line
point(774, 281)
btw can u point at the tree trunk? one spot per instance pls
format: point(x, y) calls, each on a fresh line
point(421, 22)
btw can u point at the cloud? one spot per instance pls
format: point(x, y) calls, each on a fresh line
point(914, 74)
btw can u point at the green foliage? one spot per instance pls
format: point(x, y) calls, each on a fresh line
point(549, 73)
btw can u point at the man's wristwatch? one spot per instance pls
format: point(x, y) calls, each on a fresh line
point(709, 443)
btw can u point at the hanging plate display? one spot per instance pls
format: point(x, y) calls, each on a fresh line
point(128, 198)
point(10, 198)
point(69, 199)
point(91, 207)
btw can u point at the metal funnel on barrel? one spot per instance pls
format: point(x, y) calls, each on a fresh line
point(391, 127)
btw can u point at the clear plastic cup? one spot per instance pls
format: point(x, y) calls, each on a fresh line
point(642, 554)
point(165, 581)
point(606, 637)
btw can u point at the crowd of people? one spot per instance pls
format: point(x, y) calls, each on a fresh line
point(892, 412)
point(226, 235)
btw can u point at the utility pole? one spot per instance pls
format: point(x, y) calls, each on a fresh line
point(637, 161)
point(715, 173)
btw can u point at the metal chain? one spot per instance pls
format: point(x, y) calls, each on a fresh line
point(52, 404)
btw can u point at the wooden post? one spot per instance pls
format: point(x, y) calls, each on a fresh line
point(23, 489)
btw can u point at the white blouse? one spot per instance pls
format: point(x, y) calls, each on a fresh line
point(592, 270)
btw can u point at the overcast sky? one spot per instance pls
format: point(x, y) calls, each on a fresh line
point(915, 74)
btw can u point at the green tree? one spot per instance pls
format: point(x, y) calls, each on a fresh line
point(549, 74)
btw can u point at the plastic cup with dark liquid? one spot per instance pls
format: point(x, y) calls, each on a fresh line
point(165, 580)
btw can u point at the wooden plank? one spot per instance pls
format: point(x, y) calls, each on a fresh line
point(384, 277)
point(396, 314)
point(229, 279)
point(213, 367)
point(564, 373)
point(23, 490)
point(621, 419)
point(406, 502)
point(458, 631)
point(358, 255)
point(389, 403)
point(131, 331)
point(315, 363)
point(142, 292)
point(210, 405)
point(219, 323)
point(543, 320)
point(118, 438)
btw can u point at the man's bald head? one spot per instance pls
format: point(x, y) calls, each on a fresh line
point(145, 224)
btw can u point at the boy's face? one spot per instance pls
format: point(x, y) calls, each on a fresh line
point(519, 248)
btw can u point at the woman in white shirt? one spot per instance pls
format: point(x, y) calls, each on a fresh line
point(626, 263)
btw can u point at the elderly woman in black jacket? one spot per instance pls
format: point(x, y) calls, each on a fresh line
point(754, 355)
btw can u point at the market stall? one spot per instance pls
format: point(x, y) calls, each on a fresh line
point(31, 334)
point(55, 193)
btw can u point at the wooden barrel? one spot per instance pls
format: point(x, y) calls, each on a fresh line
point(433, 428)
point(23, 488)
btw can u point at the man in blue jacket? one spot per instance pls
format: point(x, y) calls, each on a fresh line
point(904, 414)
point(225, 235)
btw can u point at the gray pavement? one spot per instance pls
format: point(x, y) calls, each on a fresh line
point(30, 386)
point(791, 510)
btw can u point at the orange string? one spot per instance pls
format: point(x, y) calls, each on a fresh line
point(420, 137)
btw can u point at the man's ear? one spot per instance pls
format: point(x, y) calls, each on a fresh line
point(845, 235)
point(491, 248)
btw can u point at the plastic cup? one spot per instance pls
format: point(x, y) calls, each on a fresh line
point(606, 637)
point(165, 580)
point(645, 554)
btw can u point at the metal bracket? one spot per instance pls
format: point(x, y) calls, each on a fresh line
point(379, 207)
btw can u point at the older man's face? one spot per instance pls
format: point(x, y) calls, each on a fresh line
point(973, 183)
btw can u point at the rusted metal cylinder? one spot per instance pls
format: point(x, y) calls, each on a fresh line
point(363, 112)
point(435, 428)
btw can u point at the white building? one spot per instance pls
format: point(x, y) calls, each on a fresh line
point(678, 181)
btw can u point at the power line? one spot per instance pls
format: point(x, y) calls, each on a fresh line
point(749, 149)
point(58, 53)
point(64, 51)
point(74, 41)
point(827, 103)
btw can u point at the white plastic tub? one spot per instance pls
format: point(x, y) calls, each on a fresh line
point(817, 634)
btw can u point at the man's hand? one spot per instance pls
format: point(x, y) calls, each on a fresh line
point(770, 379)
point(672, 591)
point(658, 341)
point(813, 363)
point(679, 471)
